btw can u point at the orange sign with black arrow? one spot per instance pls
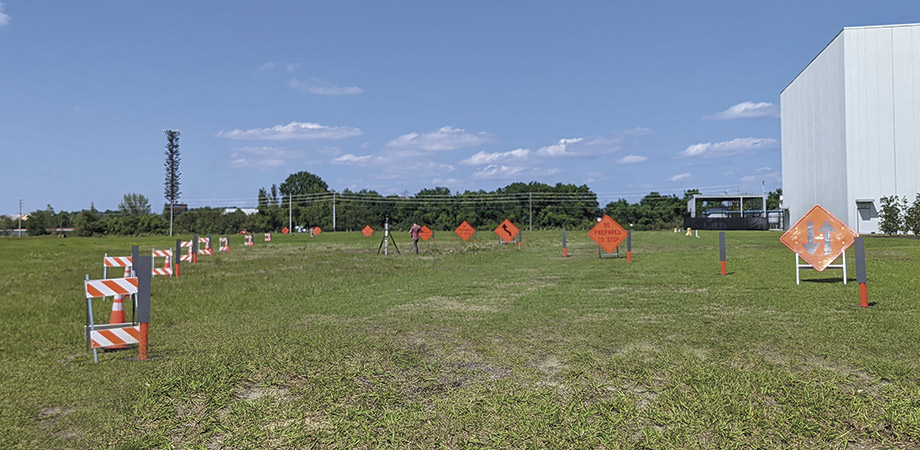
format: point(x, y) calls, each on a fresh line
point(506, 231)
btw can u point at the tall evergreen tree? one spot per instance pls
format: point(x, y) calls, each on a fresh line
point(172, 173)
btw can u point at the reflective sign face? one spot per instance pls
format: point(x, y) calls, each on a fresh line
point(465, 231)
point(819, 237)
point(367, 231)
point(425, 233)
point(317, 230)
point(608, 234)
point(285, 230)
point(507, 231)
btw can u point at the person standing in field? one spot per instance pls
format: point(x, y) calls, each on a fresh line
point(413, 232)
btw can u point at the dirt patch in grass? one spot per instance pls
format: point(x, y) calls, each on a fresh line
point(50, 418)
point(251, 392)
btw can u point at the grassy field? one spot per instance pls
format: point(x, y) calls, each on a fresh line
point(320, 343)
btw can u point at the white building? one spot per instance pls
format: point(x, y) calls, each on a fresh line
point(851, 125)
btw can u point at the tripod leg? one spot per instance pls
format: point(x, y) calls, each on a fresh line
point(392, 239)
point(381, 244)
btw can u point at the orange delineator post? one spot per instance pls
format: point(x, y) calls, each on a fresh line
point(861, 271)
point(142, 343)
point(565, 250)
point(722, 252)
point(628, 246)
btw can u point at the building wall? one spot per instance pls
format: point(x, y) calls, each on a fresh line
point(882, 73)
point(851, 125)
point(814, 136)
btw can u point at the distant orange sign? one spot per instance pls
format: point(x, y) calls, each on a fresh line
point(819, 237)
point(465, 231)
point(317, 231)
point(285, 230)
point(367, 231)
point(507, 231)
point(608, 234)
point(425, 233)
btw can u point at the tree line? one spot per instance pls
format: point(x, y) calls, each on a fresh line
point(303, 199)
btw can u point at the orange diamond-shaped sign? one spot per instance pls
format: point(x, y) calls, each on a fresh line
point(425, 233)
point(317, 231)
point(465, 231)
point(367, 231)
point(507, 231)
point(819, 237)
point(608, 234)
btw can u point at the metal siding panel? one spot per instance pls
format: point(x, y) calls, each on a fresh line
point(904, 76)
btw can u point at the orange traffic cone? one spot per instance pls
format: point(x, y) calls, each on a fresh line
point(118, 315)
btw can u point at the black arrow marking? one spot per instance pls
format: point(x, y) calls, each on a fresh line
point(505, 227)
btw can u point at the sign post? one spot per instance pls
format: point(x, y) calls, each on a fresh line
point(195, 249)
point(628, 246)
point(722, 252)
point(144, 268)
point(178, 256)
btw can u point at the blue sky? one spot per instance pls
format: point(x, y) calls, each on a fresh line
point(398, 96)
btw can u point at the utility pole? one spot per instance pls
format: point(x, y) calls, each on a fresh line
point(333, 210)
point(763, 191)
point(20, 218)
point(530, 194)
point(290, 213)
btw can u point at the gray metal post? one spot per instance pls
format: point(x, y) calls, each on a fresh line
point(194, 246)
point(530, 195)
point(144, 267)
point(20, 219)
point(860, 246)
point(628, 240)
point(177, 257)
point(721, 246)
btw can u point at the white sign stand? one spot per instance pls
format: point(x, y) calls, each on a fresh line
point(843, 266)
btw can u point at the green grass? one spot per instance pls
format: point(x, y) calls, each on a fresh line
point(320, 343)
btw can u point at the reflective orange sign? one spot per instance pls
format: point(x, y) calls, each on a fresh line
point(608, 234)
point(317, 231)
point(819, 237)
point(506, 231)
point(367, 231)
point(425, 233)
point(465, 231)
point(285, 230)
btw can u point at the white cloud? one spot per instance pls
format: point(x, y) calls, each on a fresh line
point(764, 174)
point(263, 157)
point(320, 87)
point(580, 147)
point(245, 163)
point(293, 66)
point(728, 148)
point(491, 158)
point(747, 110)
point(292, 131)
point(632, 159)
point(679, 177)
point(266, 67)
point(638, 131)
point(497, 171)
point(4, 18)
point(445, 138)
point(349, 158)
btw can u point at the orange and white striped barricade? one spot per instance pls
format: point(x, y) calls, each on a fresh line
point(249, 242)
point(116, 261)
point(224, 244)
point(166, 270)
point(268, 237)
point(114, 334)
point(206, 250)
point(188, 256)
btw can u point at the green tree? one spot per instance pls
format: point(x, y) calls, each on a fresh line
point(912, 217)
point(773, 199)
point(89, 223)
point(134, 205)
point(40, 222)
point(171, 188)
point(890, 215)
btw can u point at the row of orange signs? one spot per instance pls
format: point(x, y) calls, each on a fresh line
point(505, 230)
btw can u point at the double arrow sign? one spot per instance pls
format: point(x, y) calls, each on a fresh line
point(827, 229)
point(800, 238)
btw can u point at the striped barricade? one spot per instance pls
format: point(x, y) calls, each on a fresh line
point(249, 242)
point(113, 335)
point(268, 237)
point(166, 270)
point(116, 261)
point(206, 248)
point(188, 257)
point(224, 245)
